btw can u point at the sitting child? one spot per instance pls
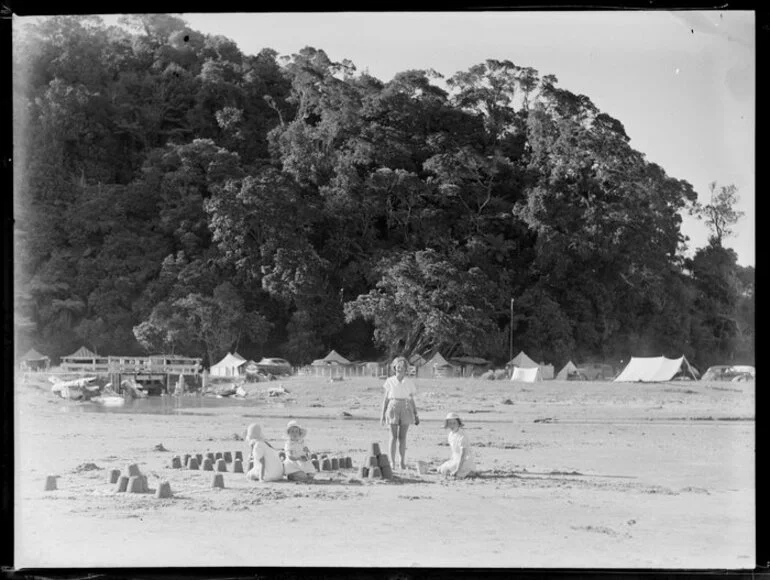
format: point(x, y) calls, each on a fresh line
point(461, 463)
point(267, 463)
point(297, 463)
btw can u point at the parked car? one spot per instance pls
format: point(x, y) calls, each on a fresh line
point(734, 373)
point(275, 366)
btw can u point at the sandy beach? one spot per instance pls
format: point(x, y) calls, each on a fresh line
point(574, 474)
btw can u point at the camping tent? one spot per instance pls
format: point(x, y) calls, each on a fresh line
point(530, 375)
point(471, 365)
point(566, 371)
point(230, 366)
point(521, 360)
point(333, 358)
point(655, 369)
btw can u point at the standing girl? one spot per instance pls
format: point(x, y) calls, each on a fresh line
point(461, 463)
point(398, 408)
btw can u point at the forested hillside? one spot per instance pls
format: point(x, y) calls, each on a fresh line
point(176, 195)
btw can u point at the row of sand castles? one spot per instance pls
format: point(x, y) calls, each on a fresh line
point(377, 464)
point(218, 462)
point(136, 482)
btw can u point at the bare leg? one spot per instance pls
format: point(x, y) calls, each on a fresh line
point(393, 440)
point(402, 444)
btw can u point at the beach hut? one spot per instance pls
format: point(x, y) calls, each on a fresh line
point(231, 365)
point(566, 371)
point(333, 358)
point(656, 369)
point(471, 366)
point(34, 361)
point(84, 360)
point(437, 366)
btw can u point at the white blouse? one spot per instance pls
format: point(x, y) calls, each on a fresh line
point(396, 389)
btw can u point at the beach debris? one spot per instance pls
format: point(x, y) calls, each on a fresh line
point(227, 456)
point(221, 465)
point(545, 420)
point(218, 480)
point(176, 462)
point(277, 391)
point(86, 467)
point(237, 466)
point(345, 415)
point(122, 484)
point(507, 402)
point(135, 484)
point(114, 475)
point(240, 391)
point(132, 470)
point(237, 437)
point(238, 456)
point(164, 490)
point(75, 389)
point(159, 447)
point(208, 465)
point(50, 483)
point(132, 389)
point(192, 463)
point(336, 379)
point(316, 405)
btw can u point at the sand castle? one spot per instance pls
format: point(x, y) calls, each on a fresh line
point(377, 465)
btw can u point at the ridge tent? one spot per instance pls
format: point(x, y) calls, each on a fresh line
point(531, 375)
point(230, 366)
point(655, 369)
point(566, 371)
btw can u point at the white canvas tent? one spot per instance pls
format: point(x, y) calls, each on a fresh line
point(655, 369)
point(566, 371)
point(230, 366)
point(521, 360)
point(531, 375)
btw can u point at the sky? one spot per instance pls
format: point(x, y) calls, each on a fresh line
point(682, 83)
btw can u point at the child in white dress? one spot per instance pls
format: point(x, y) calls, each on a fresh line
point(297, 463)
point(462, 461)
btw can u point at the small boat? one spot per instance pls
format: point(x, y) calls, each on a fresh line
point(110, 401)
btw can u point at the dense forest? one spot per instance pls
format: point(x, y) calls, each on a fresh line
point(176, 195)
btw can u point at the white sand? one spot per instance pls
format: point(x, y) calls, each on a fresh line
point(654, 476)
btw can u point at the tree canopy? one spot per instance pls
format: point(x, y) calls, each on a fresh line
point(175, 194)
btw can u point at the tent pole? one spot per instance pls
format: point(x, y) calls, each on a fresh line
point(511, 341)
